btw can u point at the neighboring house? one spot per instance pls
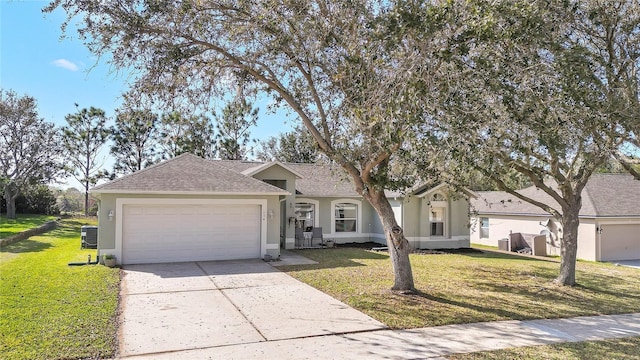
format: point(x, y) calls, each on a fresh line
point(609, 219)
point(189, 208)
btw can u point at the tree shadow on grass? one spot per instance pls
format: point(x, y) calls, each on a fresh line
point(608, 285)
point(334, 258)
point(25, 246)
point(497, 310)
point(502, 256)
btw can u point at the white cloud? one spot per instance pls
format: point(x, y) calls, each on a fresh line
point(66, 64)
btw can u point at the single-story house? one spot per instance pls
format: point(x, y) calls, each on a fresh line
point(189, 208)
point(609, 219)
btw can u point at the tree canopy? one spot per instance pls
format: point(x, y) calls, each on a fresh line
point(84, 136)
point(543, 89)
point(178, 134)
point(233, 126)
point(29, 147)
point(356, 75)
point(133, 137)
point(295, 146)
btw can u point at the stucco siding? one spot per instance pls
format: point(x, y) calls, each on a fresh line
point(459, 214)
point(370, 227)
point(501, 226)
point(587, 240)
point(276, 172)
point(411, 216)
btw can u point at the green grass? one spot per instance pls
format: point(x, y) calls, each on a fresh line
point(50, 310)
point(482, 246)
point(9, 227)
point(620, 349)
point(467, 288)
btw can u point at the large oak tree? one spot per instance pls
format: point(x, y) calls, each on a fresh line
point(353, 72)
point(29, 147)
point(547, 89)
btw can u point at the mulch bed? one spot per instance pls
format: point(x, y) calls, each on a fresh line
point(370, 245)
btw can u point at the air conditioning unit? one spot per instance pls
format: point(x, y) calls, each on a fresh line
point(89, 237)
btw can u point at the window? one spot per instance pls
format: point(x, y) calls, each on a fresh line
point(484, 228)
point(305, 215)
point(437, 221)
point(346, 217)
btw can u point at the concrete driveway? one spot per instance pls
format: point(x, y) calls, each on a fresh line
point(629, 263)
point(170, 308)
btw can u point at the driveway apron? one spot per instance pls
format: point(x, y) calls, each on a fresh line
point(199, 305)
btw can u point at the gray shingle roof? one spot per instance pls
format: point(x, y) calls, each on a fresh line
point(323, 181)
point(316, 180)
point(606, 195)
point(187, 174)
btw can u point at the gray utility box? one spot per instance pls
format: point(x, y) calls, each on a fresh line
point(89, 237)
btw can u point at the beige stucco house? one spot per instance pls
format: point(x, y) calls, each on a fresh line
point(609, 219)
point(189, 208)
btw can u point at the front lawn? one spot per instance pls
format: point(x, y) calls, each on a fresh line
point(22, 222)
point(51, 310)
point(468, 287)
point(620, 349)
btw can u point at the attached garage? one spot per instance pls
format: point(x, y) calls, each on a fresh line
point(188, 209)
point(620, 242)
point(173, 232)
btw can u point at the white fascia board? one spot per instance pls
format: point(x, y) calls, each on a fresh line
point(466, 191)
point(214, 193)
point(254, 170)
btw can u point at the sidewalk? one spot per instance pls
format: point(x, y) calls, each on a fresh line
point(426, 343)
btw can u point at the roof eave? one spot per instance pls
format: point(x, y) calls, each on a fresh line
point(215, 193)
point(255, 170)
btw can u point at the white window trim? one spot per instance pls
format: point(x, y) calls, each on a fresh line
point(445, 221)
point(316, 204)
point(358, 203)
point(482, 227)
point(120, 202)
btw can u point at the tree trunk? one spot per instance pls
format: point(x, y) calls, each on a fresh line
point(569, 247)
point(10, 198)
point(86, 199)
point(396, 242)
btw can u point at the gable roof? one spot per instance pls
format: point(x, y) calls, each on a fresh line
point(257, 169)
point(188, 174)
point(605, 195)
point(315, 180)
point(422, 191)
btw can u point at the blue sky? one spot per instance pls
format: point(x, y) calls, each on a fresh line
point(58, 73)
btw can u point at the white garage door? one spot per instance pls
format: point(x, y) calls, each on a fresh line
point(620, 242)
point(173, 233)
